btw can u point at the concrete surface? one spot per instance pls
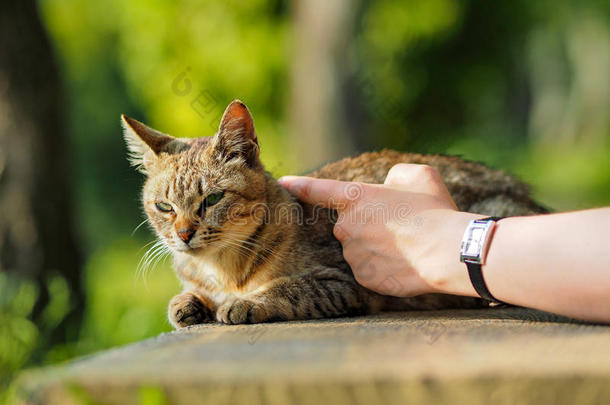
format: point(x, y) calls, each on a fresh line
point(499, 356)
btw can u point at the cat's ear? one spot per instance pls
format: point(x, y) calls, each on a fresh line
point(146, 144)
point(236, 138)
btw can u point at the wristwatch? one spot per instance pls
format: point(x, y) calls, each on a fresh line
point(473, 252)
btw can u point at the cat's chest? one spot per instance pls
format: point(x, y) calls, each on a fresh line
point(203, 274)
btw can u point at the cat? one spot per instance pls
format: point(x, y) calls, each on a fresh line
point(246, 251)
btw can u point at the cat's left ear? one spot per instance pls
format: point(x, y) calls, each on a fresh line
point(236, 138)
point(146, 144)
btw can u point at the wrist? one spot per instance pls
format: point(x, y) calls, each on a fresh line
point(448, 274)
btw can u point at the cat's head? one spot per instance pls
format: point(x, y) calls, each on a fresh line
point(200, 193)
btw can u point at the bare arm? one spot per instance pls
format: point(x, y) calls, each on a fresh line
point(558, 263)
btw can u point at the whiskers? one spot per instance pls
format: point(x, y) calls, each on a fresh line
point(155, 254)
point(239, 244)
point(138, 227)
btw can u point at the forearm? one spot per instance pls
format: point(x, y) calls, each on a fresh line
point(558, 263)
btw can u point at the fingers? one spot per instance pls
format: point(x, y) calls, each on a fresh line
point(334, 193)
point(419, 179)
point(412, 175)
point(328, 193)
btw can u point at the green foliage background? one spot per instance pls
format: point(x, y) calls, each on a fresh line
point(519, 85)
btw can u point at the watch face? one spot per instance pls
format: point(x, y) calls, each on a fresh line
point(473, 243)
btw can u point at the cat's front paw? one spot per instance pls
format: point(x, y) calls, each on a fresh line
point(187, 309)
point(241, 311)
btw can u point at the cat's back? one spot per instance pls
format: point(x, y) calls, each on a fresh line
point(473, 186)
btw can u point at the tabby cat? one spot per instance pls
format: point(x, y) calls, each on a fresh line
point(246, 251)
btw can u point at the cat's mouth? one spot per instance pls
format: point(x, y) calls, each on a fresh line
point(188, 248)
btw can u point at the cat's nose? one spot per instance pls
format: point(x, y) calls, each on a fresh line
point(186, 234)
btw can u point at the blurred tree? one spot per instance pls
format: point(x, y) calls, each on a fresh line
point(37, 239)
point(519, 85)
point(425, 73)
point(322, 33)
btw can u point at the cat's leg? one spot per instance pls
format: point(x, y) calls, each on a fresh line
point(190, 308)
point(323, 294)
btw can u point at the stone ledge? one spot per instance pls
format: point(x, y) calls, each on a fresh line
point(501, 355)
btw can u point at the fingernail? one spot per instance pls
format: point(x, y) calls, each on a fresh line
point(291, 183)
point(285, 180)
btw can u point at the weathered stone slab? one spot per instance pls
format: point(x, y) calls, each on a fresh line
point(497, 355)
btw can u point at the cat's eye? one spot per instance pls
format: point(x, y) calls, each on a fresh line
point(164, 207)
point(210, 200)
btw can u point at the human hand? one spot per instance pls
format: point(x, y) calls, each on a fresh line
point(401, 238)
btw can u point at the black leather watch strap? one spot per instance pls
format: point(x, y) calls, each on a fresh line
point(476, 275)
point(476, 278)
